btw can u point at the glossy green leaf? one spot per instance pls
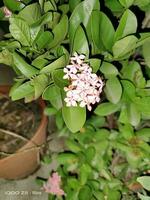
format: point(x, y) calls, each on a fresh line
point(40, 82)
point(50, 111)
point(114, 195)
point(13, 5)
point(102, 30)
point(85, 193)
point(44, 39)
point(80, 43)
point(134, 114)
point(123, 117)
point(57, 64)
point(145, 182)
point(73, 4)
point(58, 78)
point(20, 31)
point(26, 69)
point(22, 91)
point(108, 69)
point(146, 50)
point(39, 62)
point(128, 90)
point(73, 145)
point(6, 57)
point(143, 105)
point(126, 3)
point(85, 172)
point(105, 109)
point(124, 46)
point(66, 158)
point(142, 197)
point(144, 134)
point(59, 36)
point(95, 64)
point(53, 94)
point(144, 37)
point(113, 90)
point(127, 25)
point(36, 27)
point(72, 115)
point(81, 14)
point(35, 13)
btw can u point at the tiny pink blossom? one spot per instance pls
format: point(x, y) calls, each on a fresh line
point(7, 12)
point(52, 186)
point(85, 87)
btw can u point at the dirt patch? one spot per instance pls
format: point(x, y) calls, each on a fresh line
point(18, 123)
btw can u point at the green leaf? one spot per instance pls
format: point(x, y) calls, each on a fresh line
point(85, 172)
point(90, 153)
point(144, 134)
point(2, 15)
point(95, 64)
point(113, 90)
point(48, 6)
point(50, 111)
point(124, 46)
point(73, 4)
point(128, 90)
point(132, 71)
point(35, 13)
point(20, 31)
point(134, 115)
point(53, 94)
point(40, 82)
point(105, 109)
point(142, 197)
point(58, 79)
point(108, 69)
point(102, 30)
point(22, 91)
point(57, 64)
point(6, 57)
point(13, 5)
point(115, 7)
point(59, 36)
point(127, 131)
point(73, 146)
point(144, 37)
point(145, 182)
point(126, 3)
point(114, 195)
point(146, 50)
point(36, 27)
point(66, 158)
point(72, 115)
point(127, 25)
point(39, 62)
point(85, 193)
point(26, 69)
point(80, 43)
point(81, 14)
point(143, 105)
point(44, 39)
point(123, 117)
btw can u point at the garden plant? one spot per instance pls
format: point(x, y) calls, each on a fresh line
point(90, 61)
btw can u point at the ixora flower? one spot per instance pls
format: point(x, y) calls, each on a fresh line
point(7, 12)
point(52, 185)
point(85, 87)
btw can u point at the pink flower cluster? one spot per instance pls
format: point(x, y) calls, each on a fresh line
point(85, 87)
point(52, 186)
point(7, 12)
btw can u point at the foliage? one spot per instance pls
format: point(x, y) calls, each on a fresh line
point(109, 148)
